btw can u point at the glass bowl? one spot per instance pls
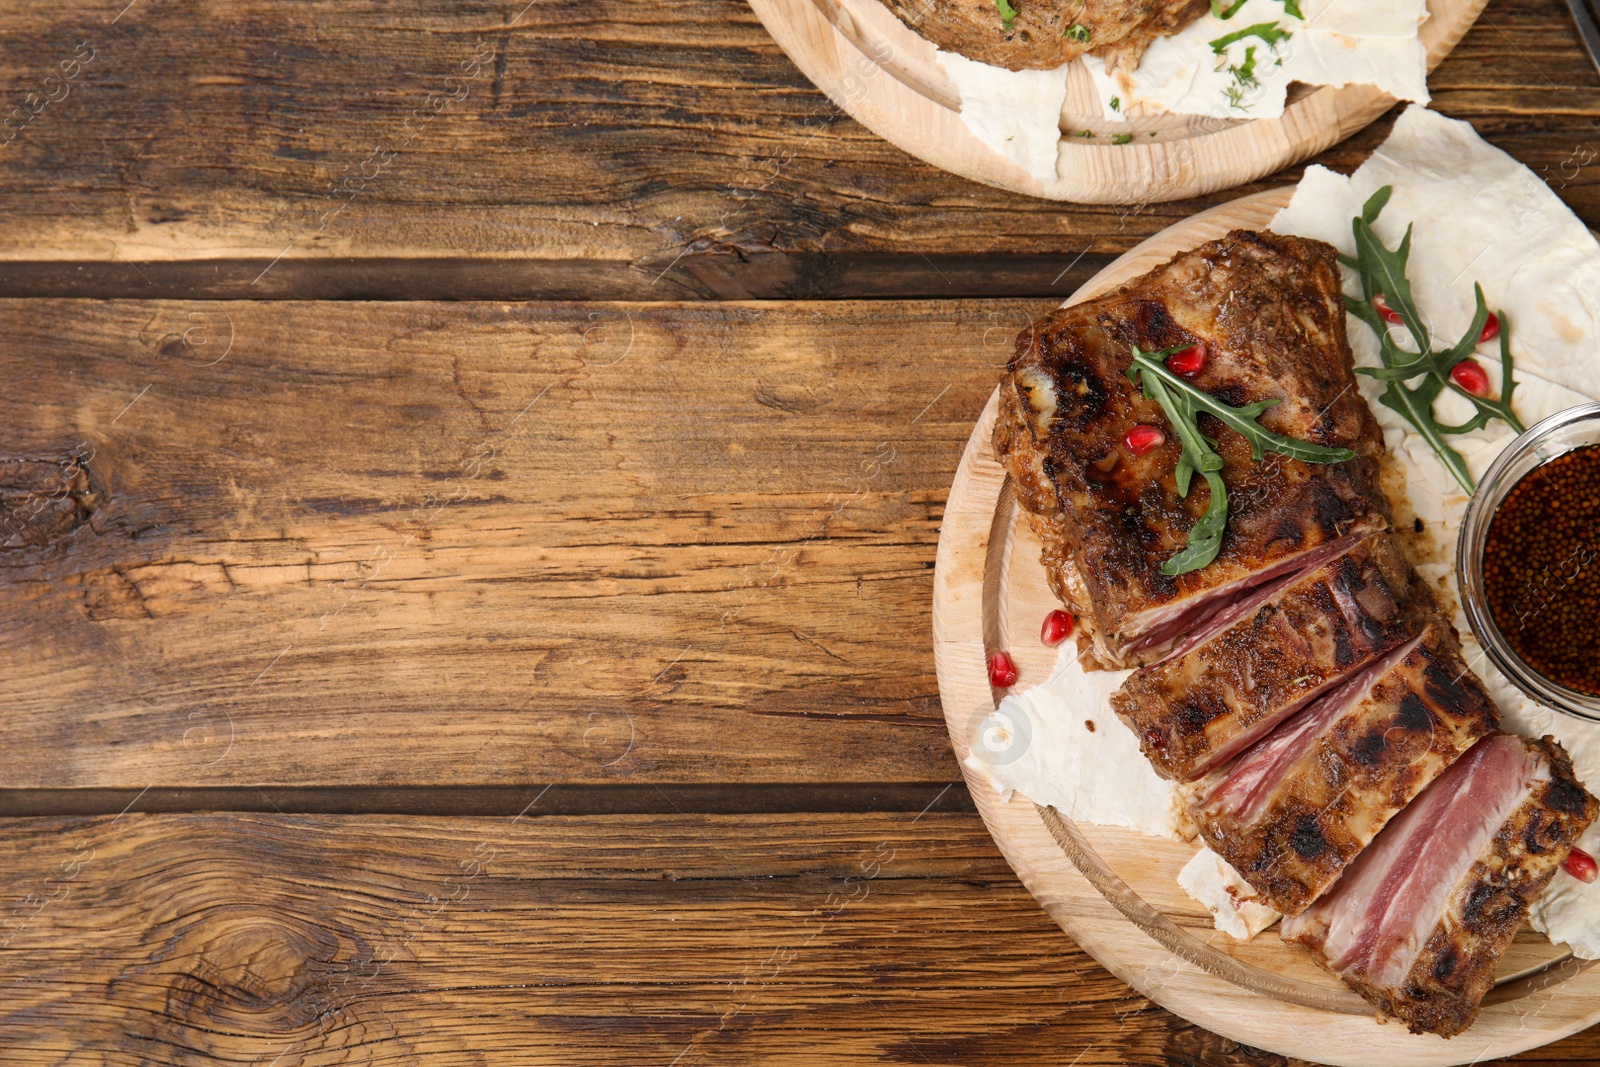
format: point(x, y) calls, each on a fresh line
point(1560, 433)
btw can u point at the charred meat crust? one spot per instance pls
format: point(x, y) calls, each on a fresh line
point(1456, 967)
point(1270, 311)
point(1418, 717)
point(1189, 712)
point(1038, 39)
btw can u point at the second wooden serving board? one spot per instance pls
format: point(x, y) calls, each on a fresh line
point(887, 77)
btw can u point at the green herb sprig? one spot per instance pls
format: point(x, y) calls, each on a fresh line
point(1244, 74)
point(1182, 403)
point(1008, 14)
point(1383, 273)
point(1290, 7)
point(1269, 32)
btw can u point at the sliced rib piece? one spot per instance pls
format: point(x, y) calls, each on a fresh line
point(1299, 806)
point(1270, 313)
point(1226, 689)
point(1419, 920)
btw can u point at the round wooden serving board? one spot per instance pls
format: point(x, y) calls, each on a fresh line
point(1115, 891)
point(886, 76)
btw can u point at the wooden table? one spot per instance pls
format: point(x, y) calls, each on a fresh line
point(469, 481)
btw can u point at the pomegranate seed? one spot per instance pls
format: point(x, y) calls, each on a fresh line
point(1155, 739)
point(1056, 629)
point(1491, 329)
point(1002, 670)
point(1385, 312)
point(1142, 439)
point(1471, 377)
point(1189, 362)
point(1580, 865)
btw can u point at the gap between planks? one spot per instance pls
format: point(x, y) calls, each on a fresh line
point(757, 276)
point(540, 799)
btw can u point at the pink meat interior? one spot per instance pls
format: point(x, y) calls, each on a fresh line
point(1259, 729)
point(1192, 621)
point(1251, 783)
point(1382, 912)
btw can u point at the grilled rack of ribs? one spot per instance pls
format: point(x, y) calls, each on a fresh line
point(1348, 762)
point(1419, 920)
point(1294, 810)
point(1269, 311)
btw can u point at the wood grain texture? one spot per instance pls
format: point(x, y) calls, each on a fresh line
point(371, 939)
point(688, 567)
point(890, 79)
point(300, 544)
point(589, 155)
point(1115, 891)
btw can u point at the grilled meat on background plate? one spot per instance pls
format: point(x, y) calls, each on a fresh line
point(1299, 806)
point(1270, 312)
point(1224, 689)
point(1047, 33)
point(1418, 922)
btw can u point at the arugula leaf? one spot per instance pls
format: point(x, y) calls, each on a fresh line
point(1292, 7)
point(1269, 32)
point(1008, 14)
point(1182, 404)
point(1240, 419)
point(1508, 383)
point(1416, 407)
point(1383, 273)
point(1375, 204)
point(1205, 536)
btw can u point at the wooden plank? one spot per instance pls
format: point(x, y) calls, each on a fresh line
point(773, 939)
point(660, 151)
point(281, 544)
point(860, 939)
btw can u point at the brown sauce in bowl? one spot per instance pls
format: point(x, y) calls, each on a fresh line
point(1541, 569)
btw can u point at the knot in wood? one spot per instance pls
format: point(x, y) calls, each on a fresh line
point(249, 970)
point(42, 500)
